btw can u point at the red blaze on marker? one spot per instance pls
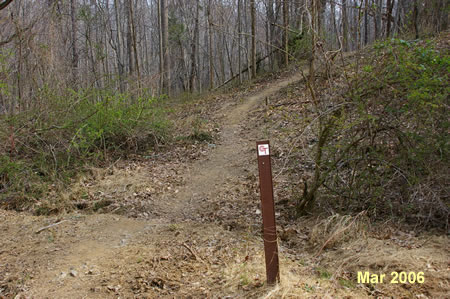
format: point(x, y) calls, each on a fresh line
point(263, 148)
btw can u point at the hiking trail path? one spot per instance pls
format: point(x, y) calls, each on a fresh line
point(76, 271)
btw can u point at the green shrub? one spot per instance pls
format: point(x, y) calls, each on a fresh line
point(299, 45)
point(116, 125)
point(56, 140)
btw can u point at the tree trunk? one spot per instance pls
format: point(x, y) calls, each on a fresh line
point(286, 31)
point(444, 15)
point(344, 26)
point(416, 18)
point(269, 28)
point(210, 51)
point(119, 46)
point(129, 38)
point(390, 4)
point(396, 21)
point(313, 43)
point(239, 40)
point(247, 43)
point(229, 56)
point(322, 4)
point(134, 42)
point(440, 15)
point(253, 21)
point(193, 75)
point(378, 13)
point(223, 57)
point(165, 46)
point(161, 48)
point(366, 22)
point(335, 30)
point(74, 43)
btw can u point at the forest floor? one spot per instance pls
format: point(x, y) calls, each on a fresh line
point(186, 222)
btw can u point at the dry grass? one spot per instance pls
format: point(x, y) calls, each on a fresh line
point(337, 229)
point(299, 278)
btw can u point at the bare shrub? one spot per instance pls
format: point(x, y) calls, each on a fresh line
point(382, 135)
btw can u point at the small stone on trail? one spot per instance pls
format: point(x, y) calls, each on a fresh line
point(114, 288)
point(73, 273)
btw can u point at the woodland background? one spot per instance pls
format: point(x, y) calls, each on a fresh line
point(85, 81)
point(156, 46)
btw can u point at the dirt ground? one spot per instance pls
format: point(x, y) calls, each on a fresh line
point(187, 224)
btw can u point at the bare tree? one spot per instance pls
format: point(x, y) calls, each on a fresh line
point(164, 46)
point(121, 43)
point(366, 22)
point(286, 31)
point(377, 19)
point(194, 54)
point(118, 48)
point(416, 19)
point(253, 21)
point(74, 41)
point(390, 5)
point(210, 47)
point(344, 25)
point(239, 40)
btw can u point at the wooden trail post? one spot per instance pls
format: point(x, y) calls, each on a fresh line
point(268, 212)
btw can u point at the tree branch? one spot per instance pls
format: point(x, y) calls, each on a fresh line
point(13, 36)
point(5, 3)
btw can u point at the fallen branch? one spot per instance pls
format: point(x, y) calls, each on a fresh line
point(193, 253)
point(289, 104)
point(49, 226)
point(243, 71)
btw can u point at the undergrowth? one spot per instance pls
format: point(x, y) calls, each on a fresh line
point(383, 134)
point(44, 147)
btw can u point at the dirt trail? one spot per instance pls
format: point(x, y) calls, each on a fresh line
point(86, 247)
point(190, 228)
point(226, 161)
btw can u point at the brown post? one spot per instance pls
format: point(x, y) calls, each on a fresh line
point(268, 212)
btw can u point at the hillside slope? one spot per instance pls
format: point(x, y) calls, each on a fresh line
point(187, 223)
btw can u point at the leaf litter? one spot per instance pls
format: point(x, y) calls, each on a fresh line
point(187, 223)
